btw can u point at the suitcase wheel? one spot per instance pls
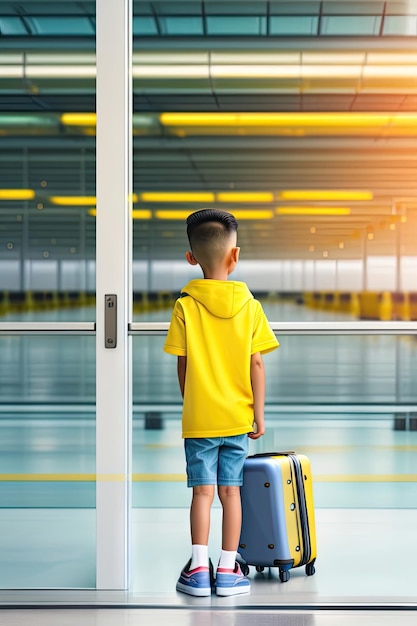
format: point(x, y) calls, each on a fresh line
point(284, 576)
point(244, 568)
point(243, 565)
point(259, 569)
point(310, 569)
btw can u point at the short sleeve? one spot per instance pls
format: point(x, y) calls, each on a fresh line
point(263, 338)
point(176, 340)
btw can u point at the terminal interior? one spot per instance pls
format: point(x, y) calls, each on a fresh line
point(300, 119)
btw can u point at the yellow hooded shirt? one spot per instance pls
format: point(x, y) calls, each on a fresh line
point(218, 325)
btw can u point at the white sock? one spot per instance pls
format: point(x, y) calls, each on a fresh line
point(199, 556)
point(227, 559)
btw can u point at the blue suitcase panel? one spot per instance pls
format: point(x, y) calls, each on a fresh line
point(263, 510)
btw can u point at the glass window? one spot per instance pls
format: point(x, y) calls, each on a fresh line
point(144, 25)
point(400, 25)
point(286, 25)
point(47, 462)
point(236, 25)
point(181, 25)
point(178, 8)
point(295, 8)
point(327, 395)
point(323, 233)
point(353, 8)
point(55, 26)
point(47, 274)
point(351, 26)
point(12, 26)
point(238, 9)
point(47, 238)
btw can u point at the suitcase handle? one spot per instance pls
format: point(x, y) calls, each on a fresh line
point(265, 454)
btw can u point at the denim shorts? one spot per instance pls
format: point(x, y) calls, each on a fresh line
point(216, 461)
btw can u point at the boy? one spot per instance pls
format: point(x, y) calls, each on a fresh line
point(218, 332)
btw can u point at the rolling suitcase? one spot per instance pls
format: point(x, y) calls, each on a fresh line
point(278, 527)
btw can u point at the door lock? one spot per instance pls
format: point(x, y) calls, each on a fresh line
point(110, 321)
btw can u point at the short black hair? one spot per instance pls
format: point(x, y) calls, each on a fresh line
point(203, 216)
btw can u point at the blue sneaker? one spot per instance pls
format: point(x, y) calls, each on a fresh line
point(195, 582)
point(231, 582)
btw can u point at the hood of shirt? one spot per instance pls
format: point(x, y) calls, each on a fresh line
point(223, 298)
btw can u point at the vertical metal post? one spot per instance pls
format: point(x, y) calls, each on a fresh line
point(114, 197)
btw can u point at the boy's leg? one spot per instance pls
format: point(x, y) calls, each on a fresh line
point(232, 516)
point(229, 578)
point(232, 457)
point(201, 457)
point(195, 578)
point(232, 523)
point(203, 496)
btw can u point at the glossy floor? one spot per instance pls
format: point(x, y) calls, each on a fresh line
point(364, 556)
point(251, 617)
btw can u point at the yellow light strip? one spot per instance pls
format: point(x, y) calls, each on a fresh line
point(366, 478)
point(324, 194)
point(331, 119)
point(172, 215)
point(365, 122)
point(47, 477)
point(17, 194)
point(146, 214)
point(235, 196)
point(90, 119)
point(137, 214)
point(141, 214)
point(208, 197)
point(159, 478)
point(169, 196)
point(253, 215)
point(73, 200)
point(80, 200)
point(174, 197)
point(200, 196)
point(78, 119)
point(91, 478)
point(304, 210)
point(239, 214)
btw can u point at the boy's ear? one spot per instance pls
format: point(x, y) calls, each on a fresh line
point(235, 254)
point(190, 258)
